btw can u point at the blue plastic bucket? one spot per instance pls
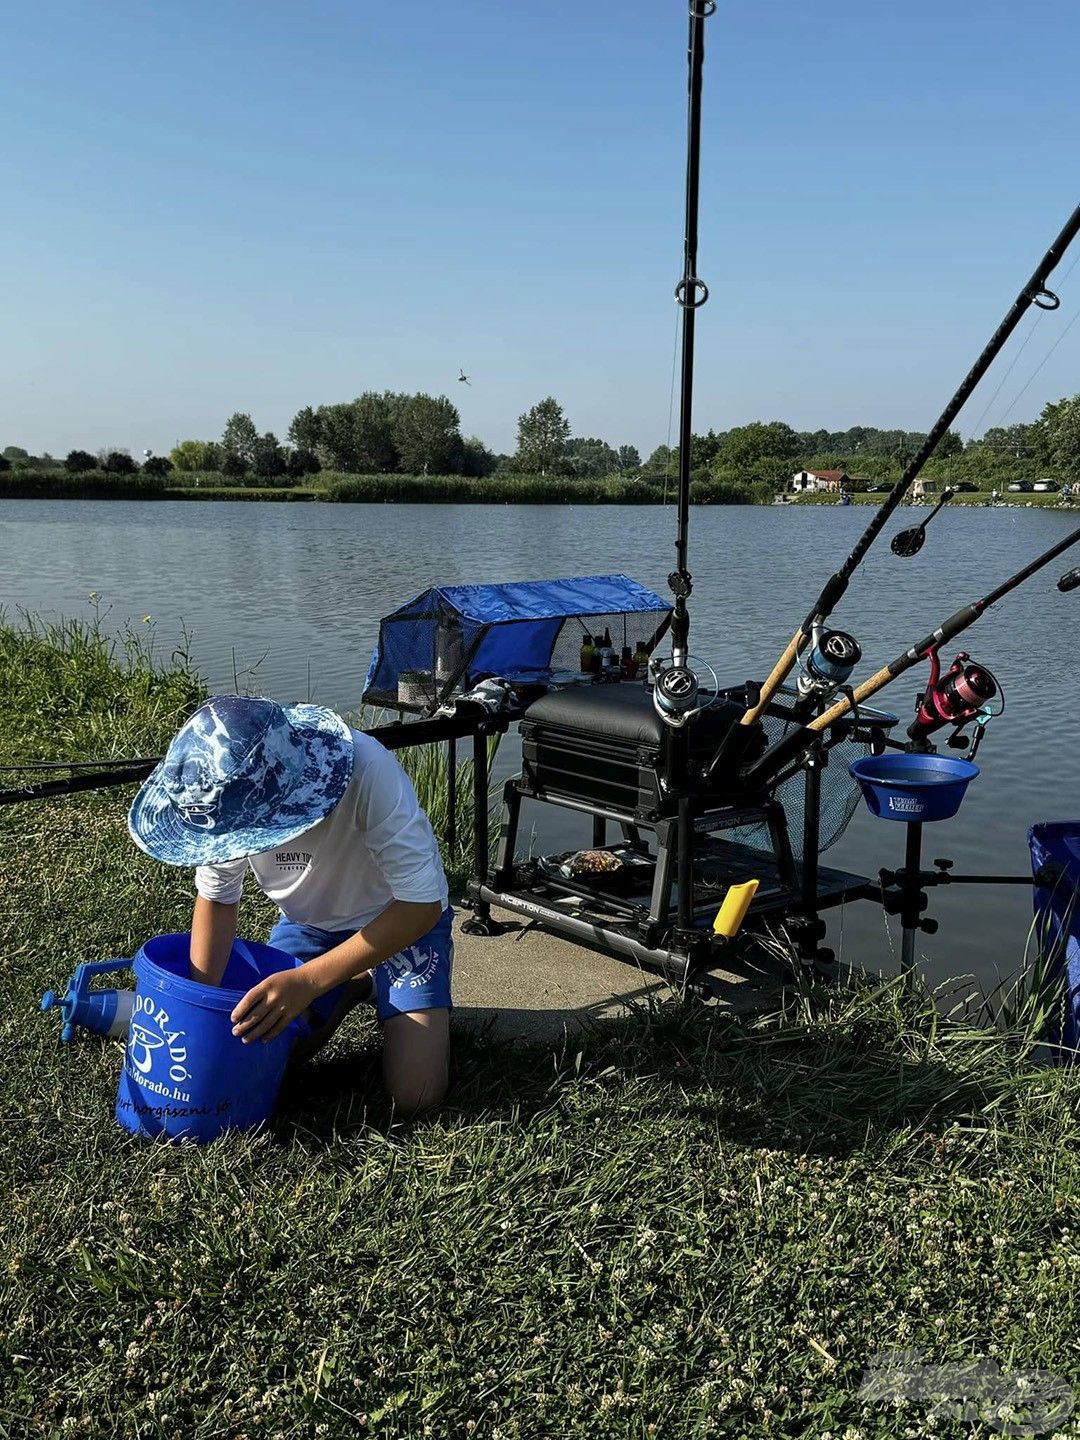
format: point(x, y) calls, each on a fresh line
point(913, 787)
point(186, 1075)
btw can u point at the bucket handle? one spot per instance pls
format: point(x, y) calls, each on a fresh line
point(80, 980)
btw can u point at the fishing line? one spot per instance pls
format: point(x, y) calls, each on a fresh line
point(671, 399)
point(1042, 362)
point(1031, 330)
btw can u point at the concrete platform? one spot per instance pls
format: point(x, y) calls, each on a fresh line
point(534, 985)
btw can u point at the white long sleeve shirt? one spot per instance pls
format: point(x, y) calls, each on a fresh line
point(375, 846)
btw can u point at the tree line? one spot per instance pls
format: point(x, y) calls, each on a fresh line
point(388, 432)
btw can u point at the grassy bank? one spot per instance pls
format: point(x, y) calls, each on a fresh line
point(678, 1226)
point(974, 497)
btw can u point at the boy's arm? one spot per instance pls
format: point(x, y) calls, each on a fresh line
point(267, 1009)
point(213, 930)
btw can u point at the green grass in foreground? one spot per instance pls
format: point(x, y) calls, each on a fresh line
point(677, 1225)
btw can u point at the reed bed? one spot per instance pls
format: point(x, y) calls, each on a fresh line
point(377, 489)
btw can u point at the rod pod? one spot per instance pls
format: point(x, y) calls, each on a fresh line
point(1033, 293)
point(785, 750)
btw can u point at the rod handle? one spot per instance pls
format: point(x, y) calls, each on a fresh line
point(876, 682)
point(781, 670)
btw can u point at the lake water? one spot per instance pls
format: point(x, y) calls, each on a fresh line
point(285, 600)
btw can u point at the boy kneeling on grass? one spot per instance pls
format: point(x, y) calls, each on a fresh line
point(329, 824)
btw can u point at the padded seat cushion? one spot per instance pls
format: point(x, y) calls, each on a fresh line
point(625, 712)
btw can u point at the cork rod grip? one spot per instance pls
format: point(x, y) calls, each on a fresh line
point(876, 682)
point(781, 670)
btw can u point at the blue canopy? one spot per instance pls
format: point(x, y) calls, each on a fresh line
point(452, 636)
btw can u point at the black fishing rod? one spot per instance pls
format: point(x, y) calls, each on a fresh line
point(793, 744)
point(691, 293)
point(1035, 292)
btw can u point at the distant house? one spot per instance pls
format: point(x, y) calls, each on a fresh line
point(811, 480)
point(919, 486)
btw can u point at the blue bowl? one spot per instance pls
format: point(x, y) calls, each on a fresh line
point(913, 787)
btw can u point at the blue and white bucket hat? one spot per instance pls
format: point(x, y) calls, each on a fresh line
point(242, 776)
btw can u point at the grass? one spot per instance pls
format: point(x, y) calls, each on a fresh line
point(677, 1225)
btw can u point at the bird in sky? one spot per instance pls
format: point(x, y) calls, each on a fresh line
point(463, 378)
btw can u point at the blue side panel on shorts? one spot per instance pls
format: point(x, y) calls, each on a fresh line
point(416, 978)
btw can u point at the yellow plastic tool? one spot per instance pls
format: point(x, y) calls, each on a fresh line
point(732, 912)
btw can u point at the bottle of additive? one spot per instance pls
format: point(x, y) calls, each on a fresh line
point(588, 654)
point(641, 658)
point(608, 659)
point(628, 664)
point(598, 654)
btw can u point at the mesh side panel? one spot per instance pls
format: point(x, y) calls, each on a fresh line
point(420, 656)
point(839, 795)
point(624, 629)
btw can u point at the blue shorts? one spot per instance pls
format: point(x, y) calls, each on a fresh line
point(417, 978)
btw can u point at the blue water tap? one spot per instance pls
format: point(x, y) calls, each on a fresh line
point(105, 1012)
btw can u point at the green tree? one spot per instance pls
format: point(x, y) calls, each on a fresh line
point(476, 459)
point(157, 465)
point(357, 436)
point(426, 434)
point(5, 464)
point(233, 466)
point(1063, 433)
point(704, 449)
point(747, 445)
point(664, 460)
point(590, 459)
point(542, 435)
point(191, 455)
point(240, 436)
point(301, 463)
point(305, 430)
point(118, 462)
point(268, 458)
point(629, 459)
point(16, 456)
point(79, 461)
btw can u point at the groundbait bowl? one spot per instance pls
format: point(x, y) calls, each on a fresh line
point(913, 787)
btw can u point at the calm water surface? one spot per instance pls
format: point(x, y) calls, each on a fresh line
point(285, 600)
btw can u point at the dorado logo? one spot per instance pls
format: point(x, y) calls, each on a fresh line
point(906, 804)
point(153, 1040)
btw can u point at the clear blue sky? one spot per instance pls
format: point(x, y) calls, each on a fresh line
point(223, 205)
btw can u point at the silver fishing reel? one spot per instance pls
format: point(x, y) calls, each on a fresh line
point(827, 662)
point(677, 691)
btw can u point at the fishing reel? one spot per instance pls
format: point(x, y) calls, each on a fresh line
point(677, 691)
point(961, 696)
point(827, 662)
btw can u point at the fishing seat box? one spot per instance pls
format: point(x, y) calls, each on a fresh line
point(605, 746)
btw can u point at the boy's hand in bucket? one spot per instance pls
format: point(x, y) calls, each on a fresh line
point(270, 1007)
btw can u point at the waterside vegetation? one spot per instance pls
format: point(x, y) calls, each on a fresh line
point(399, 447)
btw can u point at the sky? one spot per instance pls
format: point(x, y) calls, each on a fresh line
point(257, 205)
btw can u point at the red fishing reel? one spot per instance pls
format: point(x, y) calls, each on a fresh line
point(963, 693)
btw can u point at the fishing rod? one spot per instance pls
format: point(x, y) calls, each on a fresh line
point(1035, 292)
point(962, 690)
point(691, 293)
